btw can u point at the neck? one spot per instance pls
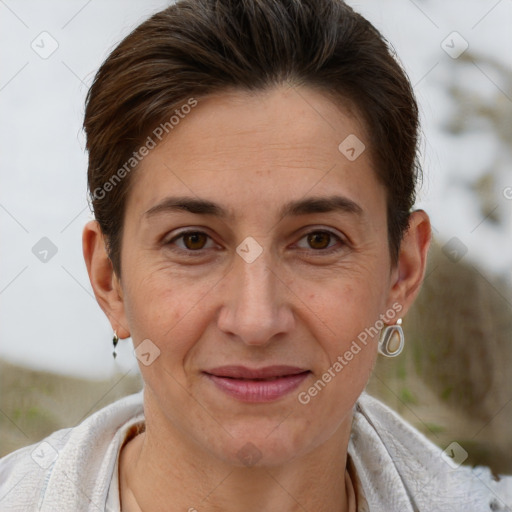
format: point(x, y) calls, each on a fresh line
point(163, 470)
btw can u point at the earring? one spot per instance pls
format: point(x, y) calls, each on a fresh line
point(115, 339)
point(392, 340)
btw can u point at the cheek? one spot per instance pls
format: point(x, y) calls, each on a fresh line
point(343, 315)
point(343, 307)
point(168, 308)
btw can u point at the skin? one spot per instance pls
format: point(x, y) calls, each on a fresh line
point(296, 304)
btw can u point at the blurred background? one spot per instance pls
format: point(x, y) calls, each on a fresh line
point(454, 379)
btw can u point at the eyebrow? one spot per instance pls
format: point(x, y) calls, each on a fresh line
point(295, 208)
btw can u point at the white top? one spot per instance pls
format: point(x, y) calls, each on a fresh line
point(394, 467)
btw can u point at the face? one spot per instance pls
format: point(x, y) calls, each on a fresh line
point(251, 242)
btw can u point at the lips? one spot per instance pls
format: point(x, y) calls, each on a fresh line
point(242, 372)
point(257, 384)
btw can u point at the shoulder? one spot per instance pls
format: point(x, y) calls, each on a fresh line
point(54, 471)
point(389, 454)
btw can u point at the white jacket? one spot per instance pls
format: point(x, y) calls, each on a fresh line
point(398, 469)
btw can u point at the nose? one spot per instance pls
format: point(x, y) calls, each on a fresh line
point(255, 309)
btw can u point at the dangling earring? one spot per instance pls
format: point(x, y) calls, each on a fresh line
point(115, 339)
point(392, 340)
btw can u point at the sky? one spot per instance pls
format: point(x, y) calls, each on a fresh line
point(456, 53)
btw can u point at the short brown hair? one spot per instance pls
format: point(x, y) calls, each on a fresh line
point(195, 48)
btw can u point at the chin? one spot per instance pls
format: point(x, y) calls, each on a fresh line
point(259, 445)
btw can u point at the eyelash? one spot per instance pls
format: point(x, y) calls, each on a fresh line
point(197, 252)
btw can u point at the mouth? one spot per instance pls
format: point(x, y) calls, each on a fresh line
point(258, 384)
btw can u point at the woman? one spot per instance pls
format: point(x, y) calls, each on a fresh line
point(252, 170)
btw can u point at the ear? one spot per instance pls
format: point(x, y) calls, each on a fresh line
point(407, 276)
point(104, 281)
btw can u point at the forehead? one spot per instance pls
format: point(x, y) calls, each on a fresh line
point(276, 144)
point(284, 117)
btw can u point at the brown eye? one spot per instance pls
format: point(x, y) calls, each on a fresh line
point(194, 240)
point(319, 239)
point(191, 241)
point(321, 242)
